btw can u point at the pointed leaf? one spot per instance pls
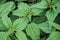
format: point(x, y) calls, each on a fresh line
point(33, 31)
point(6, 21)
point(20, 23)
point(22, 9)
point(6, 8)
point(21, 35)
point(46, 27)
point(51, 15)
point(57, 26)
point(36, 11)
point(40, 5)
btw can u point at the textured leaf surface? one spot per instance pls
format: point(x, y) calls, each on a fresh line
point(2, 26)
point(33, 31)
point(22, 9)
point(36, 11)
point(46, 27)
point(6, 8)
point(40, 5)
point(54, 36)
point(3, 36)
point(51, 15)
point(20, 23)
point(6, 21)
point(21, 35)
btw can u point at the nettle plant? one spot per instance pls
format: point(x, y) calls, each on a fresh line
point(28, 21)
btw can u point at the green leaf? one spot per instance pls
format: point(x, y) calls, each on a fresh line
point(22, 10)
point(19, 12)
point(40, 5)
point(6, 21)
point(23, 6)
point(54, 36)
point(3, 36)
point(8, 38)
point(2, 1)
point(2, 26)
point(46, 27)
point(33, 31)
point(58, 5)
point(36, 11)
point(21, 35)
point(20, 23)
point(51, 15)
point(57, 26)
point(6, 8)
point(39, 19)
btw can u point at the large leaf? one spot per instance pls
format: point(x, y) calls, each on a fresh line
point(6, 8)
point(51, 15)
point(20, 23)
point(21, 35)
point(54, 36)
point(22, 10)
point(33, 31)
point(40, 5)
point(6, 21)
point(46, 27)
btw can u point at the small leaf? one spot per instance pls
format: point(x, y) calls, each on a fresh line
point(57, 26)
point(36, 11)
point(21, 35)
point(33, 31)
point(54, 36)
